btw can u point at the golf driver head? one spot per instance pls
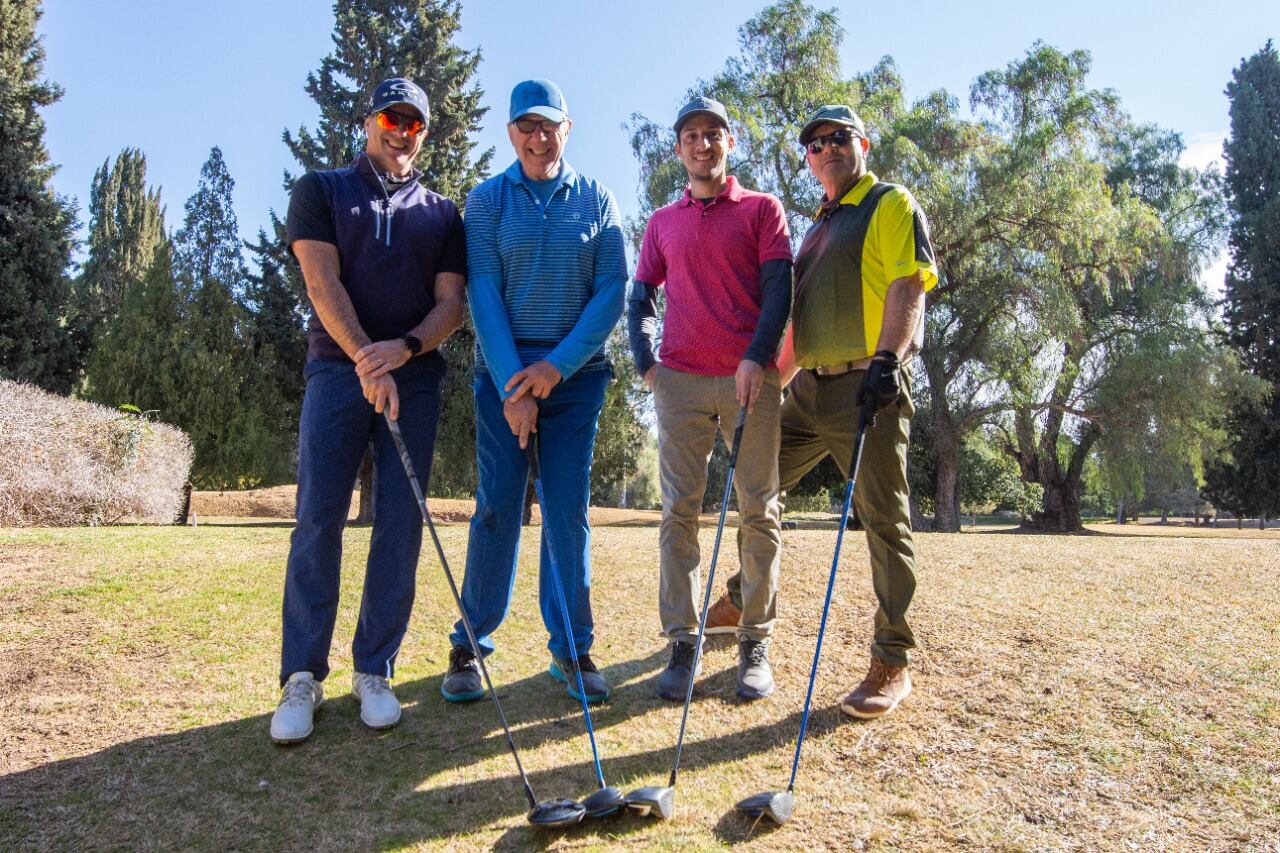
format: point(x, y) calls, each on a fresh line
point(775, 805)
point(604, 802)
point(556, 814)
point(655, 800)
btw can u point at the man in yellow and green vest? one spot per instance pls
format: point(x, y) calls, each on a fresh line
point(858, 317)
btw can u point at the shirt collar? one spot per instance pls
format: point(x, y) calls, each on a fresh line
point(364, 165)
point(853, 194)
point(732, 192)
point(566, 175)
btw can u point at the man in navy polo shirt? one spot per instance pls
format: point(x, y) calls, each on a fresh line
point(384, 261)
point(546, 275)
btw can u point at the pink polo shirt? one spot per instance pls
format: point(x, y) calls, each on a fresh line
point(709, 258)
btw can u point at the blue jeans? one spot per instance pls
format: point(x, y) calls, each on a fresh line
point(567, 422)
point(337, 425)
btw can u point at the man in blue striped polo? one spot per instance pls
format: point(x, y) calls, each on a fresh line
point(546, 279)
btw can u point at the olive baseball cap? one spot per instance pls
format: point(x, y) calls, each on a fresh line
point(833, 114)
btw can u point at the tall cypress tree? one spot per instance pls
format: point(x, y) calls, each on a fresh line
point(1250, 478)
point(126, 225)
point(373, 40)
point(216, 404)
point(36, 226)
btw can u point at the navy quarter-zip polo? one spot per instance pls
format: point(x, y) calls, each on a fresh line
point(391, 241)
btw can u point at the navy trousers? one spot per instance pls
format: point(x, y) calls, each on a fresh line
point(337, 425)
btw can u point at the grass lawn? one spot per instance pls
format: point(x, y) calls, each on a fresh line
point(1114, 691)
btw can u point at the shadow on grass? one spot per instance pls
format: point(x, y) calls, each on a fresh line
point(227, 786)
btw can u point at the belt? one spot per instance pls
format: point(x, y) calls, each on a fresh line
point(836, 369)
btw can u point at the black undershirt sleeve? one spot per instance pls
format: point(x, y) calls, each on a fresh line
point(775, 309)
point(310, 215)
point(642, 324)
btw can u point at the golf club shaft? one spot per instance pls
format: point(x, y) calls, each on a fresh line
point(535, 465)
point(831, 582)
point(453, 587)
point(706, 596)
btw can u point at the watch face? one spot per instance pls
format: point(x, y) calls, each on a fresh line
point(414, 345)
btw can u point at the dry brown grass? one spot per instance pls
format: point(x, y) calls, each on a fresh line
point(67, 462)
point(1097, 692)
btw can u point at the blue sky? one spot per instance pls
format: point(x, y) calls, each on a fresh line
point(175, 79)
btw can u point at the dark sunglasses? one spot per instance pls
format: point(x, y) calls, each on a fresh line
point(839, 138)
point(529, 125)
point(388, 120)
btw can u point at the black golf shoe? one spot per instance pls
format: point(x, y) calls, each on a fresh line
point(755, 678)
point(673, 683)
point(592, 681)
point(462, 682)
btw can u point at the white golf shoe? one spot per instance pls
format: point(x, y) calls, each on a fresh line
point(379, 707)
point(302, 695)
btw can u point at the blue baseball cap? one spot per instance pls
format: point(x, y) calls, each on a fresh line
point(702, 106)
point(540, 97)
point(399, 90)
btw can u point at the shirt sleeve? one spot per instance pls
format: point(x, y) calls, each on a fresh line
point(453, 253)
point(775, 308)
point(903, 233)
point(484, 295)
point(603, 309)
point(652, 266)
point(310, 215)
point(642, 324)
point(774, 238)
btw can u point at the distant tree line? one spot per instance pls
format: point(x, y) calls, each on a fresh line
point(1074, 364)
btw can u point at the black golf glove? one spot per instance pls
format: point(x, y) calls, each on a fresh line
point(880, 386)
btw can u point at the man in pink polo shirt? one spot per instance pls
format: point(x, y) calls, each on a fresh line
point(724, 256)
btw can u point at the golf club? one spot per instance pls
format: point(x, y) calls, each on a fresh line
point(552, 814)
point(608, 799)
point(777, 805)
point(655, 799)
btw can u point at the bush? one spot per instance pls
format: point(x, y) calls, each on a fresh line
point(66, 462)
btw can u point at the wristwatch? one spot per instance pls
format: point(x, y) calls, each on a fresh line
point(412, 344)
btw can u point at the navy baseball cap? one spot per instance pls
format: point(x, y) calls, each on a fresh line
point(540, 97)
point(702, 106)
point(834, 114)
point(399, 90)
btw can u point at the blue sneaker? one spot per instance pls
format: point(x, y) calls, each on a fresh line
point(462, 682)
point(592, 681)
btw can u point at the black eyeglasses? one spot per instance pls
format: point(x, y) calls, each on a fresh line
point(529, 125)
point(839, 138)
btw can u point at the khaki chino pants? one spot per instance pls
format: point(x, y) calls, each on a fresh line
point(820, 417)
point(688, 406)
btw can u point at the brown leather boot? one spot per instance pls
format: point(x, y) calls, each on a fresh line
point(724, 616)
point(879, 693)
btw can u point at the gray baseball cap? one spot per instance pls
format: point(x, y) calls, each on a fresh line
point(702, 106)
point(399, 90)
point(833, 114)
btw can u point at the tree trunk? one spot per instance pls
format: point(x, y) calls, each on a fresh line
point(365, 480)
point(1262, 522)
point(919, 521)
point(1060, 512)
point(1164, 516)
point(946, 462)
point(1120, 517)
point(185, 512)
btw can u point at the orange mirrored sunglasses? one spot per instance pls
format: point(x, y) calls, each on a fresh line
point(389, 120)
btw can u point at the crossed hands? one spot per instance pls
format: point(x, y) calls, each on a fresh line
point(374, 363)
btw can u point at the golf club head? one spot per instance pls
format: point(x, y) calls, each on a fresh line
point(604, 802)
point(556, 814)
point(775, 805)
point(653, 800)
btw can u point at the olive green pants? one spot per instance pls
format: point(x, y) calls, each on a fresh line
point(820, 417)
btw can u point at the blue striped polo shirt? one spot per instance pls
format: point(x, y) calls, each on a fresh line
point(544, 281)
